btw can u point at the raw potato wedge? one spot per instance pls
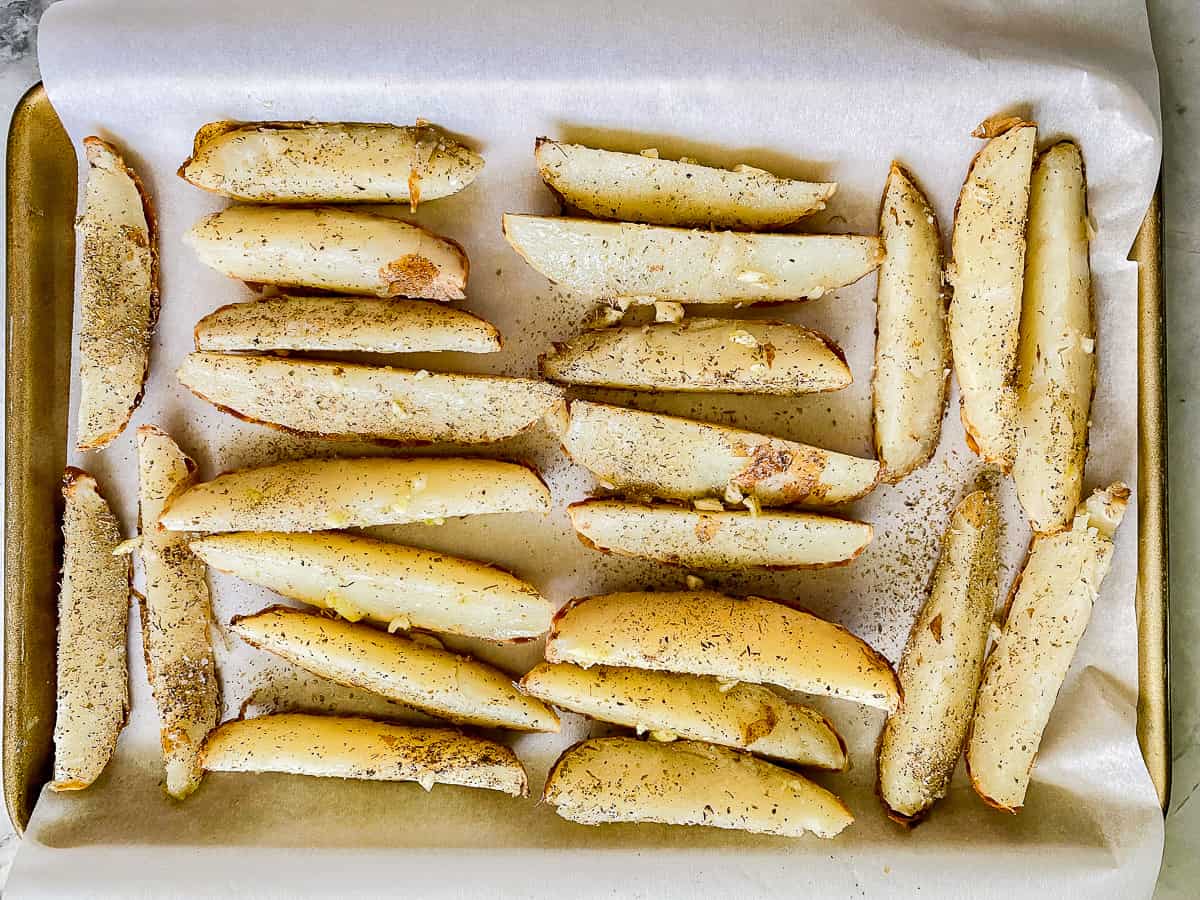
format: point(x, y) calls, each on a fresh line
point(987, 276)
point(912, 348)
point(344, 747)
point(330, 249)
point(402, 587)
point(620, 779)
point(942, 664)
point(329, 162)
point(637, 187)
point(378, 403)
point(93, 613)
point(1047, 614)
point(731, 638)
point(364, 324)
point(654, 455)
point(319, 494)
point(1056, 368)
point(696, 707)
point(618, 260)
point(176, 617)
point(456, 688)
point(729, 539)
point(736, 356)
point(118, 295)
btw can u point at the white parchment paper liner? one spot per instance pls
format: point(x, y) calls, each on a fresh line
point(809, 89)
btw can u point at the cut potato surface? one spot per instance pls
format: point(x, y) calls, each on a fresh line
point(329, 162)
point(176, 617)
point(637, 187)
point(342, 747)
point(1057, 359)
point(942, 664)
point(912, 349)
point(987, 276)
point(732, 638)
point(402, 587)
point(655, 455)
point(319, 494)
point(718, 540)
point(118, 295)
point(93, 613)
point(1047, 615)
point(454, 687)
point(736, 356)
point(617, 260)
point(363, 324)
point(330, 249)
point(621, 779)
point(670, 704)
point(342, 400)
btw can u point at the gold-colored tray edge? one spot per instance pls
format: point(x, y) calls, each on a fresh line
point(41, 195)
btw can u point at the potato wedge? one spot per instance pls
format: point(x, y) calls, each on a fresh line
point(942, 664)
point(1056, 363)
point(176, 617)
point(378, 403)
point(329, 162)
point(697, 707)
point(637, 187)
point(319, 494)
point(364, 324)
point(912, 348)
point(93, 613)
point(618, 260)
point(736, 356)
point(454, 687)
point(620, 779)
point(362, 578)
point(1050, 607)
point(344, 747)
point(987, 277)
point(331, 249)
point(732, 638)
point(118, 295)
point(731, 539)
point(655, 455)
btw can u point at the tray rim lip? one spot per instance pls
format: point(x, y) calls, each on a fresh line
point(1150, 325)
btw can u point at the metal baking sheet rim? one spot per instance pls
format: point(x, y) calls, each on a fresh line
point(41, 202)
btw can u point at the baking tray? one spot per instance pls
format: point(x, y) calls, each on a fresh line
point(42, 174)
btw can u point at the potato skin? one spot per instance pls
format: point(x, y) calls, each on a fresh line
point(648, 454)
point(707, 633)
point(912, 347)
point(118, 295)
point(701, 354)
point(942, 665)
point(745, 716)
point(1048, 611)
point(345, 747)
point(93, 614)
point(329, 162)
point(1057, 357)
point(636, 187)
point(987, 277)
point(688, 783)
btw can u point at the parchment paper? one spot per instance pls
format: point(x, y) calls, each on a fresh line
point(808, 89)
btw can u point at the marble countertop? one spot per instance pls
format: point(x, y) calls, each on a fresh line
point(1176, 30)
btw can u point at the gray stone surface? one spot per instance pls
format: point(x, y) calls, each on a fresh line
point(1176, 28)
